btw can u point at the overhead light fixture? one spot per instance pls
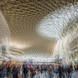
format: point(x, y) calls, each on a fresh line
point(18, 45)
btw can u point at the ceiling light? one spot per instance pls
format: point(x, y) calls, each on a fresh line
point(18, 45)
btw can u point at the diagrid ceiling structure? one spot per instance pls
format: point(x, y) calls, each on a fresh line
point(30, 35)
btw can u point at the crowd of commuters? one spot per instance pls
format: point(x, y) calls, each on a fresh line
point(25, 70)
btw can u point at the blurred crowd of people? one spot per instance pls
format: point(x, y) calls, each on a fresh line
point(25, 70)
